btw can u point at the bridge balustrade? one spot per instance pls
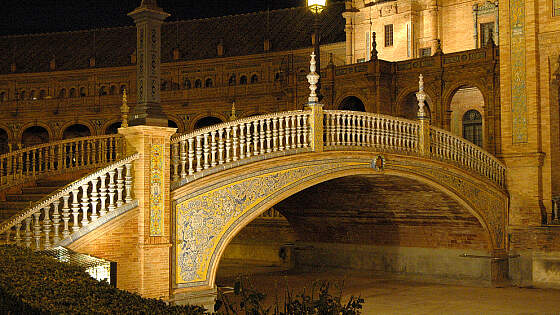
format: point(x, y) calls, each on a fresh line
point(60, 156)
point(241, 141)
point(88, 201)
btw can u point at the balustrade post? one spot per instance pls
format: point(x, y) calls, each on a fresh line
point(424, 134)
point(316, 124)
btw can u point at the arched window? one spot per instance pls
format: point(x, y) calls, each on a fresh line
point(472, 127)
point(232, 80)
point(208, 83)
point(82, 92)
point(121, 89)
point(277, 76)
point(22, 95)
point(113, 90)
point(243, 80)
point(197, 84)
point(42, 94)
point(187, 84)
point(62, 93)
point(254, 79)
point(72, 92)
point(32, 95)
point(102, 91)
point(164, 85)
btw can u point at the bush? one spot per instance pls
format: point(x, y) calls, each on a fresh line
point(33, 283)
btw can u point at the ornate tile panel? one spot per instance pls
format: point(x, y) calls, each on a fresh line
point(156, 190)
point(518, 72)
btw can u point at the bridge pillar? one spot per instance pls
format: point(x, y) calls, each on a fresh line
point(152, 189)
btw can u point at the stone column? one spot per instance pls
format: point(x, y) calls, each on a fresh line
point(348, 29)
point(152, 189)
point(424, 132)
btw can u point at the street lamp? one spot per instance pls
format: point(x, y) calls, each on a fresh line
point(317, 6)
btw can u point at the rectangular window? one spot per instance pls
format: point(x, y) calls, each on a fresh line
point(425, 52)
point(486, 31)
point(556, 7)
point(388, 35)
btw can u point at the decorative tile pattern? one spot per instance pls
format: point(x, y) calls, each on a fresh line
point(203, 220)
point(156, 190)
point(518, 75)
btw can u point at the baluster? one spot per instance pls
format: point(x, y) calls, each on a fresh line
point(333, 129)
point(242, 141)
point(120, 186)
point(248, 140)
point(206, 151)
point(112, 189)
point(281, 133)
point(352, 123)
point(293, 130)
point(214, 148)
point(2, 177)
point(59, 157)
point(191, 157)
point(199, 153)
point(102, 194)
point(228, 144)
point(37, 229)
point(65, 216)
point(75, 209)
point(235, 143)
point(275, 134)
point(268, 136)
point(175, 158)
point(28, 234)
point(339, 129)
point(262, 135)
point(8, 233)
point(305, 131)
point(51, 157)
point(94, 199)
point(221, 146)
point(85, 204)
point(128, 183)
point(17, 238)
point(41, 162)
point(47, 226)
point(33, 158)
point(56, 221)
point(255, 137)
point(287, 132)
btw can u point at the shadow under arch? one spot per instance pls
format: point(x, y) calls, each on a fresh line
point(352, 103)
point(322, 170)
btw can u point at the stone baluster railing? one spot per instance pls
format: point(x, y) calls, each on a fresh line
point(83, 202)
point(448, 147)
point(60, 156)
point(239, 141)
point(360, 130)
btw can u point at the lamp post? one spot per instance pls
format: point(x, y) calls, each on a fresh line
point(317, 6)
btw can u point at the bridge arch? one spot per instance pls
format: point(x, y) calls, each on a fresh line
point(207, 217)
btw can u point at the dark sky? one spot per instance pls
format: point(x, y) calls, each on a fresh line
point(25, 16)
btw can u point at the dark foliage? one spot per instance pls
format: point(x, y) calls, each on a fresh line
point(32, 283)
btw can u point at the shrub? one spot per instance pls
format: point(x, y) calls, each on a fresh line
point(33, 283)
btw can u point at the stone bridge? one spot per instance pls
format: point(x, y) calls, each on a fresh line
point(165, 208)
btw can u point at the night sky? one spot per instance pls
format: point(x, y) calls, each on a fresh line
point(25, 17)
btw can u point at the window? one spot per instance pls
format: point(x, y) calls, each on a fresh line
point(197, 84)
point(164, 85)
point(254, 79)
point(102, 91)
point(62, 93)
point(42, 94)
point(232, 80)
point(2, 96)
point(208, 83)
point(388, 35)
point(121, 89)
point(32, 95)
point(472, 127)
point(425, 52)
point(243, 80)
point(187, 84)
point(82, 92)
point(22, 95)
point(276, 76)
point(486, 32)
point(72, 92)
point(556, 7)
point(112, 90)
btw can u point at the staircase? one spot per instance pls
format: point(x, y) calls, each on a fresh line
point(15, 203)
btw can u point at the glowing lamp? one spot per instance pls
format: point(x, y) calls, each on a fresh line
point(316, 6)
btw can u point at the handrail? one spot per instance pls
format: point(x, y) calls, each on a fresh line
point(240, 141)
point(113, 192)
point(55, 157)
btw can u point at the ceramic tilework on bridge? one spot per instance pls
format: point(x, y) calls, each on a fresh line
point(518, 74)
point(203, 220)
point(156, 189)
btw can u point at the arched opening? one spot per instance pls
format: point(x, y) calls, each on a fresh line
point(113, 90)
point(207, 122)
point(164, 85)
point(232, 80)
point(468, 99)
point(409, 107)
point(34, 136)
point(122, 89)
point(102, 91)
point(172, 124)
point(62, 93)
point(76, 131)
point(208, 83)
point(254, 79)
point(72, 92)
point(197, 84)
point(2, 96)
point(83, 92)
point(113, 128)
point(4, 148)
point(187, 84)
point(352, 103)
point(22, 95)
point(42, 94)
point(243, 80)
point(472, 127)
point(32, 95)
point(373, 224)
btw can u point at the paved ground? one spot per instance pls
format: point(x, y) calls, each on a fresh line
point(387, 295)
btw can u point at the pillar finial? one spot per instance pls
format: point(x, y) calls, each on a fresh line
point(313, 78)
point(373, 46)
point(421, 97)
point(124, 110)
point(232, 117)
